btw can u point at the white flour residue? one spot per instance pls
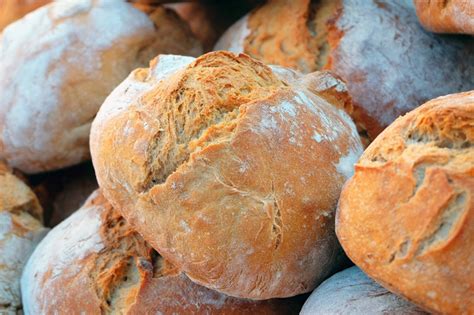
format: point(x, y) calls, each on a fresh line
point(68, 243)
point(317, 137)
point(345, 165)
point(234, 38)
point(166, 65)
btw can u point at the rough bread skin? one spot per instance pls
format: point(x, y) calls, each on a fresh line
point(440, 16)
point(352, 292)
point(95, 263)
point(20, 231)
point(230, 169)
point(376, 46)
point(407, 215)
point(58, 64)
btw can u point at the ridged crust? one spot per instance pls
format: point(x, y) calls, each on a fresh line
point(95, 263)
point(59, 63)
point(230, 169)
point(407, 215)
point(453, 16)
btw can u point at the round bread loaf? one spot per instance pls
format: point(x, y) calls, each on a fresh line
point(230, 169)
point(58, 64)
point(20, 231)
point(407, 215)
point(455, 16)
point(376, 46)
point(94, 263)
point(352, 292)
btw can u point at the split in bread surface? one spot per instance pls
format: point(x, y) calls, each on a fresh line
point(58, 64)
point(230, 169)
point(390, 63)
point(20, 231)
point(406, 217)
point(95, 263)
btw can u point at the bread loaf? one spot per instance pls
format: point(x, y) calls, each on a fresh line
point(455, 16)
point(20, 231)
point(94, 263)
point(230, 169)
point(407, 215)
point(58, 64)
point(390, 64)
point(352, 292)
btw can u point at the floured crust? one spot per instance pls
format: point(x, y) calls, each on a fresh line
point(108, 268)
point(62, 61)
point(20, 231)
point(455, 16)
point(352, 292)
point(407, 216)
point(377, 47)
point(230, 169)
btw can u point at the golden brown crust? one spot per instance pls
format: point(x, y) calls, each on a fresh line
point(11, 11)
point(108, 268)
point(376, 46)
point(407, 216)
point(217, 170)
point(446, 16)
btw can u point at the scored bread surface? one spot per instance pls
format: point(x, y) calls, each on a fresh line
point(230, 169)
point(407, 215)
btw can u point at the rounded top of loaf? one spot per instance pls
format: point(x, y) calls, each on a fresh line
point(407, 215)
point(59, 63)
point(230, 169)
point(351, 291)
point(107, 267)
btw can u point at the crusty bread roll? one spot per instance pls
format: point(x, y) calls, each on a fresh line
point(94, 263)
point(391, 65)
point(58, 64)
point(230, 169)
point(20, 231)
point(12, 10)
point(440, 16)
point(352, 292)
point(407, 216)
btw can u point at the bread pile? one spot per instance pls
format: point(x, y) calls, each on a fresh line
point(141, 176)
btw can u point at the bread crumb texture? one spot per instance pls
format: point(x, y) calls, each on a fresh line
point(407, 215)
point(108, 268)
point(58, 64)
point(20, 231)
point(230, 169)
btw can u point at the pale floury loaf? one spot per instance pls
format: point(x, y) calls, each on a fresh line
point(406, 217)
point(58, 64)
point(352, 292)
point(230, 169)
